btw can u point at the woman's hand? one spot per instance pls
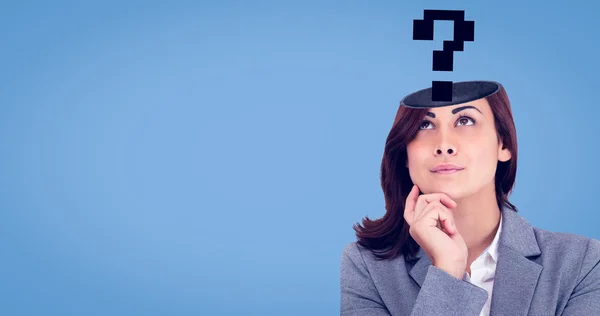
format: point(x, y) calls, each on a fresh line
point(445, 247)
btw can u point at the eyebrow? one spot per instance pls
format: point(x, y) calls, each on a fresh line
point(458, 109)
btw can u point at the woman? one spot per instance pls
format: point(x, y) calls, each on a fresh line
point(450, 238)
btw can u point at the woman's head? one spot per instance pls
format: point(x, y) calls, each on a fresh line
point(478, 137)
point(456, 150)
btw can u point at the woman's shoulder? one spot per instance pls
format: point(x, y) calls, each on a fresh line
point(352, 254)
point(356, 254)
point(568, 254)
point(359, 264)
point(356, 251)
point(566, 242)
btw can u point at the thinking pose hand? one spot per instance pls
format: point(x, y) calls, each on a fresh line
point(444, 245)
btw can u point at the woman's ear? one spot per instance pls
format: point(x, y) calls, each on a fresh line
point(504, 154)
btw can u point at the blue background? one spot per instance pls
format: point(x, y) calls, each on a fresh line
point(210, 159)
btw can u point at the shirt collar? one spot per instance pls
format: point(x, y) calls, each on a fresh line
point(493, 248)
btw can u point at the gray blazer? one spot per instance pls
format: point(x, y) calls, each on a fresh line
point(538, 273)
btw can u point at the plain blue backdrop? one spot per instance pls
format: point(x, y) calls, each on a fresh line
point(181, 158)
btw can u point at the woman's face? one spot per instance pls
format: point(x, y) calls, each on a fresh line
point(463, 135)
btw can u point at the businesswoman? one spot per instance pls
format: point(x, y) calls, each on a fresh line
point(450, 242)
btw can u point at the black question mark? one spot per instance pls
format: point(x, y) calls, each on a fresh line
point(443, 60)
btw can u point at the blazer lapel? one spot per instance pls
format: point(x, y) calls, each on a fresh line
point(419, 270)
point(516, 275)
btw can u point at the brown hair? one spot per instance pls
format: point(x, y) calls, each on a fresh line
point(389, 236)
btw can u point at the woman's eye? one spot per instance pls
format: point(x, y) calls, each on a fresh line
point(425, 125)
point(465, 121)
point(462, 121)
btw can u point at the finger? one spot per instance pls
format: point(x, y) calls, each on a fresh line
point(439, 215)
point(409, 206)
point(412, 198)
point(426, 199)
point(445, 217)
point(442, 197)
point(420, 206)
point(447, 222)
point(431, 206)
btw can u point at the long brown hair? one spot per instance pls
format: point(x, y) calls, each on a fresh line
point(389, 236)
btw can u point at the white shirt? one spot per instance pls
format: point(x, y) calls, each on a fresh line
point(483, 270)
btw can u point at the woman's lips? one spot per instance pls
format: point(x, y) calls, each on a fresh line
point(447, 171)
point(446, 168)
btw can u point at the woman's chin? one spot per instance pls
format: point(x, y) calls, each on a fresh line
point(453, 192)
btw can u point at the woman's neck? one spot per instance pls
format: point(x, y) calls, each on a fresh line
point(477, 218)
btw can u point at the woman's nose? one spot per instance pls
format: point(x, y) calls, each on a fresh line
point(445, 150)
